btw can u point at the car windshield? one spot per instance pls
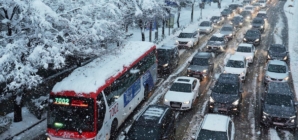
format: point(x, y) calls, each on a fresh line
point(226, 29)
point(243, 49)
point(258, 21)
point(262, 2)
point(199, 61)
point(248, 8)
point(214, 38)
point(163, 55)
point(235, 64)
point(277, 68)
point(237, 18)
point(212, 135)
point(251, 33)
point(71, 113)
point(214, 18)
point(185, 35)
point(277, 49)
point(244, 13)
point(261, 15)
point(205, 24)
point(279, 100)
point(181, 87)
point(225, 88)
point(226, 10)
point(142, 131)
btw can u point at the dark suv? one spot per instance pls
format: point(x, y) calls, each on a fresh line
point(156, 122)
point(168, 58)
point(279, 106)
point(259, 24)
point(201, 65)
point(252, 36)
point(226, 95)
point(277, 52)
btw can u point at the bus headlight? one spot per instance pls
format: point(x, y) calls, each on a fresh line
point(235, 102)
point(211, 100)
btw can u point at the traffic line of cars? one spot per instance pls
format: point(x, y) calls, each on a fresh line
point(158, 121)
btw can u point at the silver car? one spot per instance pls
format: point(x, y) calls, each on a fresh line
point(217, 43)
point(276, 70)
point(228, 30)
point(201, 65)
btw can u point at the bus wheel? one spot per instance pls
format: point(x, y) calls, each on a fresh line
point(114, 129)
point(146, 93)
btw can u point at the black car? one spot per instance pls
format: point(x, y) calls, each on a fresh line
point(156, 122)
point(237, 21)
point(263, 15)
point(168, 58)
point(259, 24)
point(279, 106)
point(217, 20)
point(227, 13)
point(277, 52)
point(226, 95)
point(246, 15)
point(234, 7)
point(252, 36)
point(201, 65)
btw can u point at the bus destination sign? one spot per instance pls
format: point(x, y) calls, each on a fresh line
point(61, 101)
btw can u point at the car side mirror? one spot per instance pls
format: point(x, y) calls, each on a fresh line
point(296, 103)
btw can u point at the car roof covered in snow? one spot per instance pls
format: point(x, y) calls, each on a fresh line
point(167, 46)
point(184, 79)
point(237, 57)
point(245, 45)
point(228, 78)
point(218, 35)
point(203, 55)
point(277, 62)
point(262, 12)
point(153, 113)
point(94, 75)
point(282, 88)
point(215, 122)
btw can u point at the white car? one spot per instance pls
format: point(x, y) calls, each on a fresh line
point(249, 8)
point(276, 70)
point(182, 93)
point(216, 127)
point(206, 27)
point(237, 64)
point(188, 38)
point(246, 50)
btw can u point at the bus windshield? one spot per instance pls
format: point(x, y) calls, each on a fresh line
point(71, 113)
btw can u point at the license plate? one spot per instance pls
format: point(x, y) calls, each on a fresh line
point(222, 109)
point(175, 105)
point(277, 123)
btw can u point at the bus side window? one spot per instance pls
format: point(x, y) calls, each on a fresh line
point(101, 110)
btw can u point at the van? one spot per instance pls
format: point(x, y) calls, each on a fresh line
point(168, 58)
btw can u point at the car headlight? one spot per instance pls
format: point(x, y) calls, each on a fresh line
point(248, 17)
point(242, 74)
point(230, 34)
point(224, 71)
point(286, 78)
point(235, 102)
point(187, 102)
point(250, 26)
point(165, 65)
point(177, 42)
point(244, 39)
point(231, 22)
point(257, 40)
point(248, 57)
point(211, 100)
point(240, 23)
point(166, 100)
point(189, 42)
point(204, 71)
point(262, 26)
point(48, 138)
point(268, 56)
point(267, 77)
point(293, 119)
point(285, 58)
